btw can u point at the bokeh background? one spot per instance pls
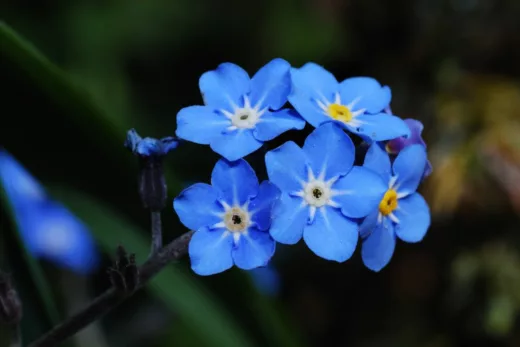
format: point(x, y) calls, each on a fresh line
point(113, 65)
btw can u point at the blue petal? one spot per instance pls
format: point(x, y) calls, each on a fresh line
point(409, 168)
point(330, 151)
point(288, 219)
point(360, 192)
point(368, 224)
point(331, 236)
point(197, 206)
point(50, 231)
point(235, 182)
point(262, 205)
point(308, 109)
point(236, 144)
point(210, 251)
point(169, 143)
point(271, 85)
point(369, 93)
point(254, 248)
point(149, 147)
point(286, 166)
point(18, 184)
point(200, 124)
point(380, 127)
point(225, 86)
point(378, 161)
point(273, 124)
point(312, 83)
point(315, 82)
point(414, 218)
point(132, 139)
point(377, 249)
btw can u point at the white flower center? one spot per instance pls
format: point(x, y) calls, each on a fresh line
point(236, 220)
point(317, 193)
point(245, 117)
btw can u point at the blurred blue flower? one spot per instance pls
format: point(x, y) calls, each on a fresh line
point(149, 147)
point(402, 212)
point(231, 219)
point(266, 280)
point(397, 145)
point(47, 228)
point(321, 193)
point(240, 113)
point(357, 103)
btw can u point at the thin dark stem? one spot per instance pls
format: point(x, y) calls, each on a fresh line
point(16, 336)
point(112, 297)
point(156, 232)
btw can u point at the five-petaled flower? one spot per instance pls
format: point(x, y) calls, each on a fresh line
point(322, 192)
point(240, 113)
point(231, 218)
point(356, 104)
point(47, 228)
point(397, 145)
point(402, 212)
point(149, 147)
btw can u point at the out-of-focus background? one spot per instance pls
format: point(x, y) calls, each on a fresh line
point(113, 65)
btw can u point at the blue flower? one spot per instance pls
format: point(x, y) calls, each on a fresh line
point(402, 212)
point(397, 145)
point(322, 192)
point(231, 218)
point(47, 228)
point(238, 114)
point(356, 104)
point(149, 147)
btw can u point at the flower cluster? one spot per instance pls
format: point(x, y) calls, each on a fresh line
point(314, 192)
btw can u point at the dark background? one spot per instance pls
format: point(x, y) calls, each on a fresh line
point(454, 65)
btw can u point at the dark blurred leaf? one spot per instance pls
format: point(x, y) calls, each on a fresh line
point(56, 84)
point(179, 291)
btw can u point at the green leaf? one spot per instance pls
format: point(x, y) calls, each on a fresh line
point(55, 83)
point(199, 310)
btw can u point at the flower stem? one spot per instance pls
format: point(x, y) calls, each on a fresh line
point(112, 297)
point(156, 232)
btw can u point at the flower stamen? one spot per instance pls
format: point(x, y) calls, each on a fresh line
point(236, 220)
point(389, 202)
point(340, 112)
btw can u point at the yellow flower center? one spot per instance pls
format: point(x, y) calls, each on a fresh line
point(389, 202)
point(340, 112)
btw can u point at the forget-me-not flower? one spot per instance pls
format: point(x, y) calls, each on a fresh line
point(48, 229)
point(231, 218)
point(397, 145)
point(149, 147)
point(402, 212)
point(356, 104)
point(240, 113)
point(321, 192)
